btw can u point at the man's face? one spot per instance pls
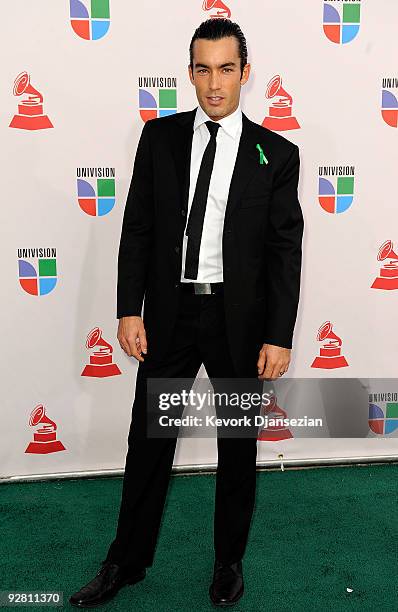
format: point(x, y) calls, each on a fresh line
point(216, 75)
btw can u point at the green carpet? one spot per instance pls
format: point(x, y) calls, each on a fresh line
point(314, 533)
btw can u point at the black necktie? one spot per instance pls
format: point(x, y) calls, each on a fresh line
point(198, 207)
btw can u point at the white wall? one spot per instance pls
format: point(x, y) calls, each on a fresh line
point(90, 90)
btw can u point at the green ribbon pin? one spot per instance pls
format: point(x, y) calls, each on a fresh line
point(263, 159)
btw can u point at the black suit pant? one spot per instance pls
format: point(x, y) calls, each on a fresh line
point(199, 337)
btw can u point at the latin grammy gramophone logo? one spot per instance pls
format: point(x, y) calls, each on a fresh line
point(101, 364)
point(383, 416)
point(388, 274)
point(274, 429)
point(336, 193)
point(341, 20)
point(90, 24)
point(39, 275)
point(45, 437)
point(330, 356)
point(280, 114)
point(389, 102)
point(30, 114)
point(157, 97)
point(96, 197)
point(217, 9)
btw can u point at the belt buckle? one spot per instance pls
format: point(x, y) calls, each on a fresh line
point(202, 288)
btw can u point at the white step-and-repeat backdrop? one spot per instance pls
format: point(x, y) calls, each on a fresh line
point(78, 81)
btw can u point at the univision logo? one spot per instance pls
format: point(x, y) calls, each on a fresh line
point(39, 275)
point(336, 193)
point(383, 416)
point(157, 97)
point(96, 197)
point(341, 20)
point(389, 102)
point(90, 24)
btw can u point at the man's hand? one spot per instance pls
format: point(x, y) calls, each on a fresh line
point(132, 337)
point(271, 361)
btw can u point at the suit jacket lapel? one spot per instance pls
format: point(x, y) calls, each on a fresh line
point(181, 148)
point(247, 163)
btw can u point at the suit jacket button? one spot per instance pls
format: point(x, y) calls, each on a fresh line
point(177, 249)
point(183, 212)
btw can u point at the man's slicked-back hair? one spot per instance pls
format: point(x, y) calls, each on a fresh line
point(214, 29)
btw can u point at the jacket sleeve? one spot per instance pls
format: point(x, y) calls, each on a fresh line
point(283, 254)
point(136, 235)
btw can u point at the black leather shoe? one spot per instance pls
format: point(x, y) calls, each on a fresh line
point(227, 586)
point(106, 583)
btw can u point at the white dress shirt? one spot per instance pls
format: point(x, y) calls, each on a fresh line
point(210, 268)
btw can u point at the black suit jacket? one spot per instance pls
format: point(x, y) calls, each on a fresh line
point(261, 242)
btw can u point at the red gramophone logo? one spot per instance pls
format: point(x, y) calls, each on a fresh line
point(30, 110)
point(45, 438)
point(101, 364)
point(221, 9)
point(388, 275)
point(330, 356)
point(280, 115)
point(274, 428)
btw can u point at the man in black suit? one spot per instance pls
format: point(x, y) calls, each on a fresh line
point(211, 238)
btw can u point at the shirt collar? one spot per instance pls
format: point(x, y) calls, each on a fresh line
point(231, 124)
